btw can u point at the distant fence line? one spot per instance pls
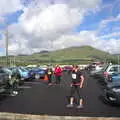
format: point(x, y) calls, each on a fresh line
point(12, 61)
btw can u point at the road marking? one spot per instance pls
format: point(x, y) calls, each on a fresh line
point(24, 87)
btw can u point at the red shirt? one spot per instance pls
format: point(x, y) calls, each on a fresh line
point(58, 71)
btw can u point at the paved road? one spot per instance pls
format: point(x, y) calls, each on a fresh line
point(39, 98)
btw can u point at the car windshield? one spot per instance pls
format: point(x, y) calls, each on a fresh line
point(7, 70)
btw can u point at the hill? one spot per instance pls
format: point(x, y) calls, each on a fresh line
point(81, 55)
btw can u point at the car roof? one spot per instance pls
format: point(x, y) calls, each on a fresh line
point(110, 66)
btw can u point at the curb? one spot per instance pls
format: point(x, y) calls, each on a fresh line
point(13, 116)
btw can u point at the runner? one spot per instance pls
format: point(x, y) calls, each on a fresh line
point(76, 86)
point(73, 67)
point(58, 74)
point(49, 74)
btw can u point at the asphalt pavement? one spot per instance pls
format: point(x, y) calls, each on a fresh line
point(38, 98)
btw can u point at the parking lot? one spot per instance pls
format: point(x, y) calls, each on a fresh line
point(36, 97)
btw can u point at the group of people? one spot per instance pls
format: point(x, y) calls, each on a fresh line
point(77, 81)
point(57, 73)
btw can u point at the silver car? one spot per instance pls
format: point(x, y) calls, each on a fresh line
point(97, 69)
point(109, 70)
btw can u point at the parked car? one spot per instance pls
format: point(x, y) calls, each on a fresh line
point(44, 67)
point(29, 68)
point(13, 84)
point(24, 74)
point(99, 73)
point(4, 78)
point(8, 85)
point(107, 70)
point(92, 65)
point(95, 70)
point(38, 73)
point(67, 68)
point(111, 69)
point(114, 77)
point(111, 93)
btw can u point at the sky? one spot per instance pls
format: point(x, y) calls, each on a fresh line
point(35, 25)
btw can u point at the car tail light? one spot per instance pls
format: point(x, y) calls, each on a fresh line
point(105, 74)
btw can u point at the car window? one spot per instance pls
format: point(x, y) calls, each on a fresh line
point(2, 71)
point(115, 69)
point(14, 70)
point(23, 70)
point(7, 70)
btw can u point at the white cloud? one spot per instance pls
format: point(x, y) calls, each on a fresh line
point(109, 20)
point(56, 18)
point(114, 34)
point(45, 23)
point(37, 27)
point(9, 6)
point(88, 38)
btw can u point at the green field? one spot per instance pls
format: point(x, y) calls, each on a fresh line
point(80, 55)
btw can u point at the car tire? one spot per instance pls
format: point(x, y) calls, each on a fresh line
point(37, 76)
point(14, 93)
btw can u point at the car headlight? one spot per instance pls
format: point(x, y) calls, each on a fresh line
point(10, 77)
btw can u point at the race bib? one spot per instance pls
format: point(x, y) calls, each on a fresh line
point(74, 76)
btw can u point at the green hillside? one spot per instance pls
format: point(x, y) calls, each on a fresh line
point(81, 55)
point(84, 52)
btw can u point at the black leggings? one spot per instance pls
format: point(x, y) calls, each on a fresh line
point(75, 88)
point(58, 79)
point(49, 78)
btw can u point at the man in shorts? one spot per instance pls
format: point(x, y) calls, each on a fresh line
point(76, 86)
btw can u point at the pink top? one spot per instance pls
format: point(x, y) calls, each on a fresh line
point(58, 71)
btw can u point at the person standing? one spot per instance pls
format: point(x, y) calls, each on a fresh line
point(58, 74)
point(73, 67)
point(76, 86)
point(49, 74)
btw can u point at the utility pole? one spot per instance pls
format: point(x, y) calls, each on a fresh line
point(51, 59)
point(14, 62)
point(118, 59)
point(6, 45)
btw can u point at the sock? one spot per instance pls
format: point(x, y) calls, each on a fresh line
point(71, 101)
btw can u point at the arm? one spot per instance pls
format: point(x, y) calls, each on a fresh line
point(82, 81)
point(54, 71)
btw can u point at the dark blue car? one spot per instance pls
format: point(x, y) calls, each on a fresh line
point(111, 93)
point(37, 73)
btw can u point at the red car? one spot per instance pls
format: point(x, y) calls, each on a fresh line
point(67, 68)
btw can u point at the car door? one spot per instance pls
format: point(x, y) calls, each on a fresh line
point(3, 77)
